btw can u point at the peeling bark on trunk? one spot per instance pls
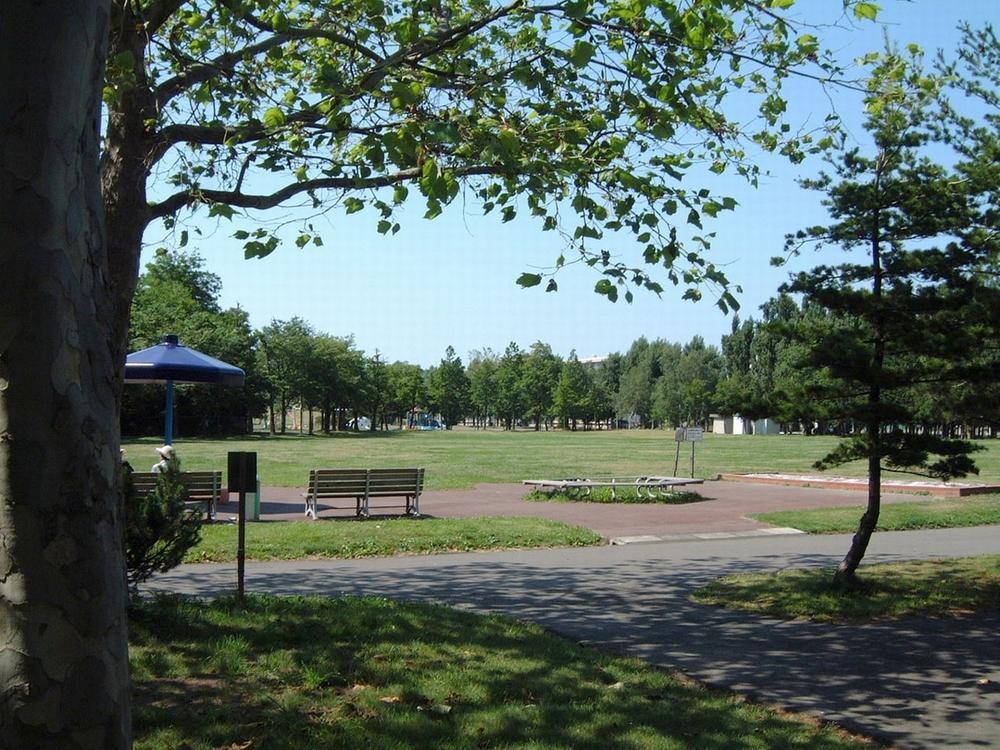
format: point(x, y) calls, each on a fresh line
point(63, 650)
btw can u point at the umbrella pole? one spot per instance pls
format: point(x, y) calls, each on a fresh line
point(169, 428)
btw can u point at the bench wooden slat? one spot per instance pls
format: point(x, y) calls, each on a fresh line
point(362, 485)
point(203, 487)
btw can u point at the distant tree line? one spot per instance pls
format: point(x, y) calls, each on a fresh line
point(757, 372)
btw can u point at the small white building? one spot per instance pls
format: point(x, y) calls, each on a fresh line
point(734, 424)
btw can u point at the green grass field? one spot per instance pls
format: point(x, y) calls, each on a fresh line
point(294, 540)
point(297, 673)
point(941, 513)
point(464, 458)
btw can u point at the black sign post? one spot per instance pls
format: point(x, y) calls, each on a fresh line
point(242, 479)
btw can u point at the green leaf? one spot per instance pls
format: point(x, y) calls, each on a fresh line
point(867, 11)
point(274, 118)
point(221, 209)
point(808, 43)
point(582, 53)
point(529, 279)
point(353, 205)
point(123, 62)
point(608, 289)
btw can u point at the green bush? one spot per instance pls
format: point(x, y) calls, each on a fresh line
point(159, 530)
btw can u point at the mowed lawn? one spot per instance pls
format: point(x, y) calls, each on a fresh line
point(463, 458)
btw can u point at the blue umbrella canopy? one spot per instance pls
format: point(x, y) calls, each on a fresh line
point(169, 362)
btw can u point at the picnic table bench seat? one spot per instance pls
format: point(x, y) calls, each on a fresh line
point(203, 487)
point(364, 485)
point(643, 485)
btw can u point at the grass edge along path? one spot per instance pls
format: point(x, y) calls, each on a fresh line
point(290, 673)
point(352, 539)
point(938, 588)
point(939, 513)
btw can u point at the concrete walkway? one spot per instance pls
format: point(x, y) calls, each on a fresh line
point(919, 683)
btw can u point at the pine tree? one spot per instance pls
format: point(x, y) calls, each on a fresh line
point(917, 310)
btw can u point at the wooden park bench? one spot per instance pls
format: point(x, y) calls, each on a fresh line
point(203, 487)
point(648, 486)
point(363, 485)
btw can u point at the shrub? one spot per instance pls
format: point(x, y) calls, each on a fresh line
point(159, 530)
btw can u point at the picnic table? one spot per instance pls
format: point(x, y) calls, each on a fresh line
point(648, 486)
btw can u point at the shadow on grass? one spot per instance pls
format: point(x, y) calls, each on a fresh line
point(350, 673)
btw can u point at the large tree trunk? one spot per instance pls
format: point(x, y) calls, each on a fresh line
point(63, 649)
point(125, 165)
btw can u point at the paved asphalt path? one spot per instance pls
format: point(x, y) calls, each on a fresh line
point(918, 683)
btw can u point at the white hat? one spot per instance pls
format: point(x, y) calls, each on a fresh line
point(166, 451)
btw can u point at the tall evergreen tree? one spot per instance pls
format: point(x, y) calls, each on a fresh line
point(915, 310)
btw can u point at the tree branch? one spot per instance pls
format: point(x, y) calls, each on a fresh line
point(236, 199)
point(157, 14)
point(410, 56)
point(302, 33)
point(246, 132)
point(224, 63)
point(433, 44)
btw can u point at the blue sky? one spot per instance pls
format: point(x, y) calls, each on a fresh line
point(451, 281)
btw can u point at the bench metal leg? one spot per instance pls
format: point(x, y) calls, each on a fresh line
point(362, 507)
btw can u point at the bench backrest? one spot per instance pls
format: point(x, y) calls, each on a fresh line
point(200, 485)
point(331, 483)
point(395, 481)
